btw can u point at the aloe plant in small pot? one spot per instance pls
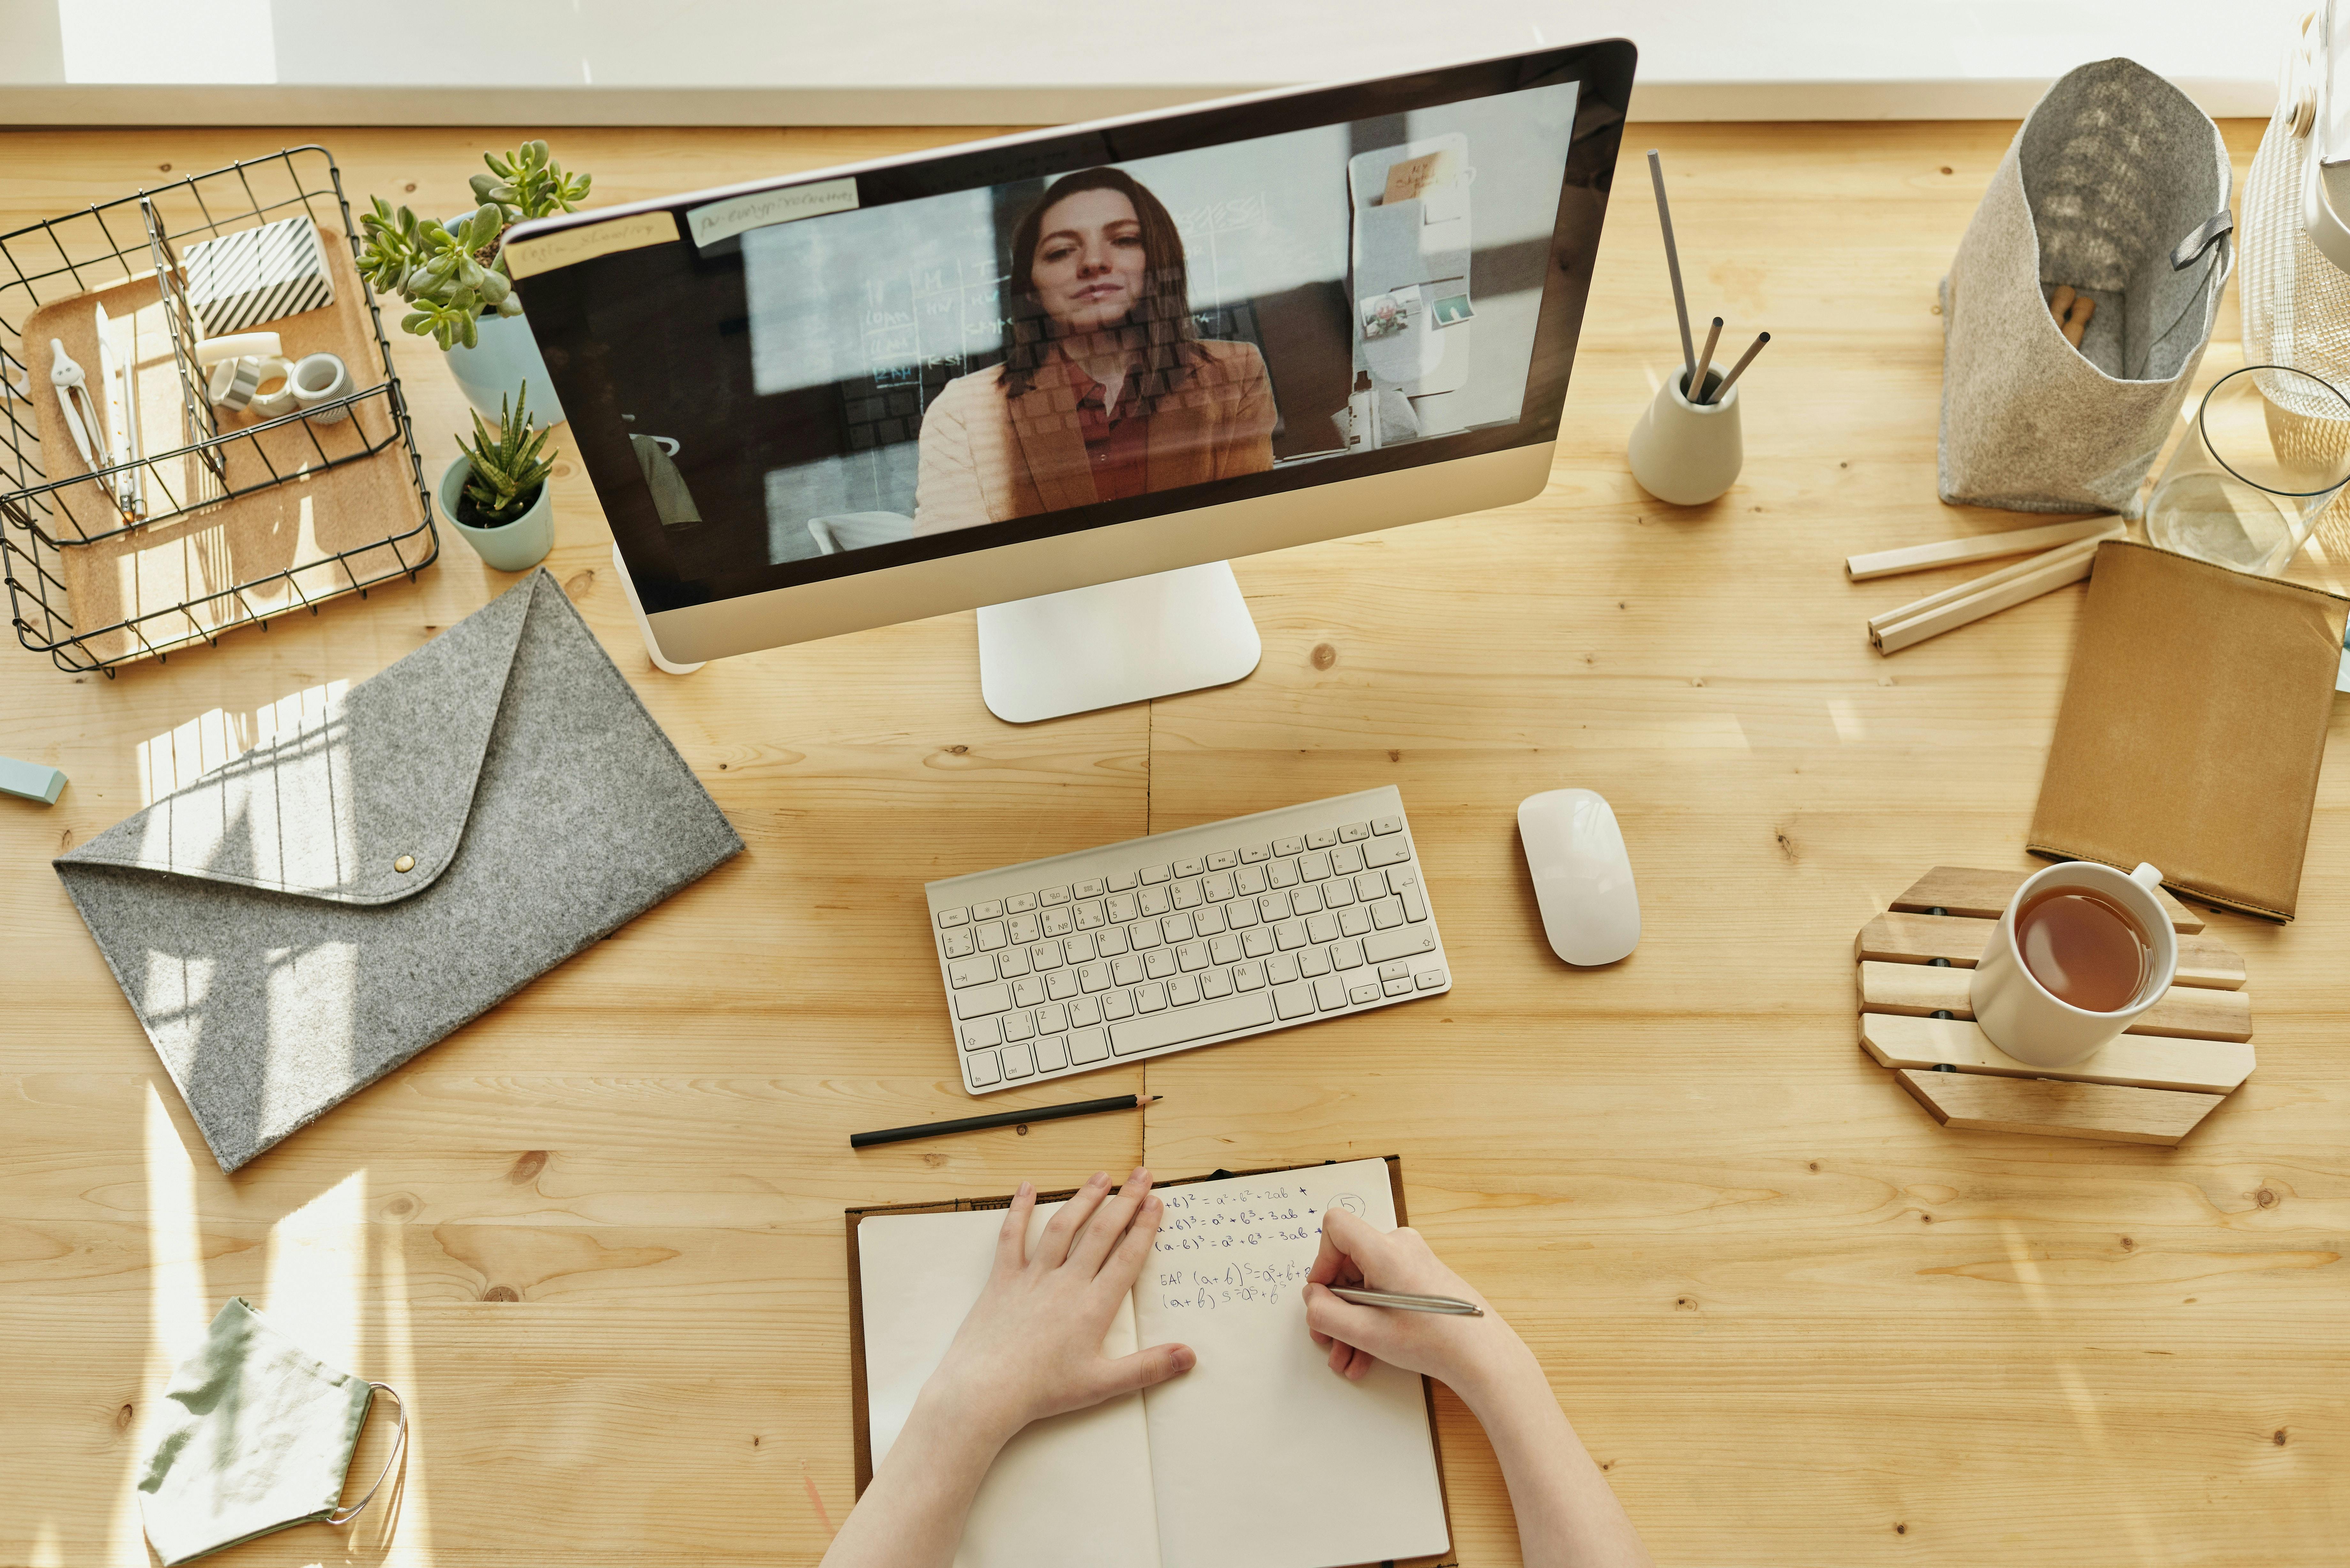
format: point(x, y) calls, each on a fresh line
point(453, 274)
point(495, 493)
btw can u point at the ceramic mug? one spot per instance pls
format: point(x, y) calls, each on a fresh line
point(2020, 1014)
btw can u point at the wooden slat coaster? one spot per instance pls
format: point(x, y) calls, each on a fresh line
point(2151, 1085)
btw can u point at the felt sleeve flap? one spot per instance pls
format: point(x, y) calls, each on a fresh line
point(384, 778)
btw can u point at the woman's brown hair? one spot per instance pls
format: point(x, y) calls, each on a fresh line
point(1159, 328)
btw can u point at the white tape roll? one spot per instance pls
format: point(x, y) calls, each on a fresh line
point(232, 384)
point(277, 396)
point(244, 345)
point(321, 378)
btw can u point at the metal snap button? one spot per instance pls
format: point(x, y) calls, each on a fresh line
point(405, 864)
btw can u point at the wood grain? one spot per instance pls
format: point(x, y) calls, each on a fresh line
point(1957, 891)
point(2051, 1108)
point(596, 1234)
point(2145, 1060)
point(1921, 939)
point(1923, 990)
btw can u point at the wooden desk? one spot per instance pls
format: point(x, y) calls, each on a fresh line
point(596, 1237)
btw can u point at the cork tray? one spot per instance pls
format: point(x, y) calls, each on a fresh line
point(2153, 1085)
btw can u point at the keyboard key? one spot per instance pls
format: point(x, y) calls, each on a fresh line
point(1142, 934)
point(1289, 846)
point(1044, 956)
point(1255, 852)
point(1017, 1025)
point(1215, 983)
point(1085, 1012)
point(1345, 860)
point(1090, 916)
point(982, 999)
point(1293, 1001)
point(1403, 877)
point(1216, 889)
point(1052, 1020)
point(1314, 867)
point(1088, 1045)
point(1289, 934)
point(1395, 970)
point(953, 917)
point(1012, 962)
point(1280, 969)
point(1152, 998)
point(1200, 1023)
point(1370, 885)
point(982, 1034)
point(1354, 833)
point(1273, 907)
point(1387, 851)
point(1346, 955)
point(1312, 962)
point(1177, 929)
point(1388, 913)
point(1186, 895)
point(1322, 838)
point(1192, 957)
point(1367, 991)
point(1354, 923)
point(1428, 979)
point(1154, 901)
point(1182, 990)
point(1337, 893)
point(1057, 923)
point(1224, 860)
point(1396, 987)
point(970, 972)
point(1241, 914)
point(1093, 888)
point(1151, 873)
point(1111, 942)
point(1281, 874)
point(1256, 943)
point(1247, 881)
point(1053, 1054)
point(1158, 963)
point(1331, 993)
point(1061, 984)
point(1188, 867)
point(1322, 929)
point(982, 1070)
point(1224, 950)
point(991, 911)
point(1093, 977)
point(1386, 824)
point(1052, 896)
point(1415, 904)
point(1027, 993)
point(1124, 908)
point(1117, 1004)
point(1020, 903)
point(1017, 1063)
point(1125, 971)
point(957, 944)
point(1248, 977)
point(1208, 922)
point(991, 936)
point(1305, 901)
point(1401, 944)
point(1079, 950)
point(1120, 881)
point(1023, 929)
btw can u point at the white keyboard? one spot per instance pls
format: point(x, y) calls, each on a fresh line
point(1185, 939)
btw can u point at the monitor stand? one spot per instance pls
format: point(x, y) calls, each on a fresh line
point(1115, 643)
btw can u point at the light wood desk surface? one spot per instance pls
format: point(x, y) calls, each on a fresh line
point(596, 1237)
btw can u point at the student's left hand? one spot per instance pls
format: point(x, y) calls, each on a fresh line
point(1032, 1346)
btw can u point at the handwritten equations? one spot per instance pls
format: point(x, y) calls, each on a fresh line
point(1238, 1244)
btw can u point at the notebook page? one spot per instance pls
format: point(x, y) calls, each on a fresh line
point(1262, 1456)
point(1070, 1492)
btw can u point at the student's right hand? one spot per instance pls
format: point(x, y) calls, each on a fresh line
point(1462, 1351)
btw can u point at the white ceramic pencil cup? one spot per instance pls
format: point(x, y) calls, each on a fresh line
point(1685, 454)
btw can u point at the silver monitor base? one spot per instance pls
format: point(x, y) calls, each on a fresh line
point(1115, 643)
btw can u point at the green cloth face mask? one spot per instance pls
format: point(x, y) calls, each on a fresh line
point(259, 1438)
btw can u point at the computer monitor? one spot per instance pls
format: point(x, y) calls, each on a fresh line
point(1064, 376)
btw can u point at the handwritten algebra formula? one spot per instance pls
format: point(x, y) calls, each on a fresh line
point(1228, 1244)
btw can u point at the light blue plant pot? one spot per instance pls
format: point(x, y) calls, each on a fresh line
point(515, 546)
point(505, 356)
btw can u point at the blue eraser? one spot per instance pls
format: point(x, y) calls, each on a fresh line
point(31, 781)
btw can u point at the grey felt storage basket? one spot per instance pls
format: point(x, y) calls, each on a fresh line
point(2112, 170)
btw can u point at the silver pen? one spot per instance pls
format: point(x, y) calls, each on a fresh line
point(1405, 1303)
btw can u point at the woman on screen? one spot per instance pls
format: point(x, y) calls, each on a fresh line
point(1104, 393)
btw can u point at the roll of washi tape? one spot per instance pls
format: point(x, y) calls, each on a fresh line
point(232, 384)
point(321, 378)
point(244, 345)
point(275, 397)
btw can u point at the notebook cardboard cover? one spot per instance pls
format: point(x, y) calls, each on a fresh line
point(2193, 725)
point(862, 1424)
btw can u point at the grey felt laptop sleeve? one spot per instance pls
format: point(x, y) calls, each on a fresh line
point(298, 923)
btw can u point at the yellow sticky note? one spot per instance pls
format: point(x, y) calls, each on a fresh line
point(1409, 178)
point(536, 253)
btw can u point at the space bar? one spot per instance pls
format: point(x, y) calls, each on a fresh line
point(1173, 1028)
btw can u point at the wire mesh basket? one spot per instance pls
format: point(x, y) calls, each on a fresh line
point(109, 509)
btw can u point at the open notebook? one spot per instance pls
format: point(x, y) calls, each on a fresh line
point(1258, 1458)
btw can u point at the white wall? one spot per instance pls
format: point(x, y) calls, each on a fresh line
point(556, 62)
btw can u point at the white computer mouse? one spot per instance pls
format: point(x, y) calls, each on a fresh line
point(1582, 879)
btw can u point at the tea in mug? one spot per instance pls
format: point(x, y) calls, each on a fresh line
point(2084, 948)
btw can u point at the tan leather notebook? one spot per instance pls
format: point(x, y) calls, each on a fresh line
point(2193, 725)
point(1258, 1458)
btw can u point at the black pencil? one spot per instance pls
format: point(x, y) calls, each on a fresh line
point(1004, 1119)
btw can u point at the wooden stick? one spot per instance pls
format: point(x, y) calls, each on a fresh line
point(1916, 607)
point(1740, 369)
point(2051, 572)
point(1705, 361)
point(2076, 318)
point(1981, 547)
point(1673, 264)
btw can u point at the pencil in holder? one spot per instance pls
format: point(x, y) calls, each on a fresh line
point(1685, 453)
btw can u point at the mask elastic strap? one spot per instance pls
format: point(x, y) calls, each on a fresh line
point(399, 1442)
